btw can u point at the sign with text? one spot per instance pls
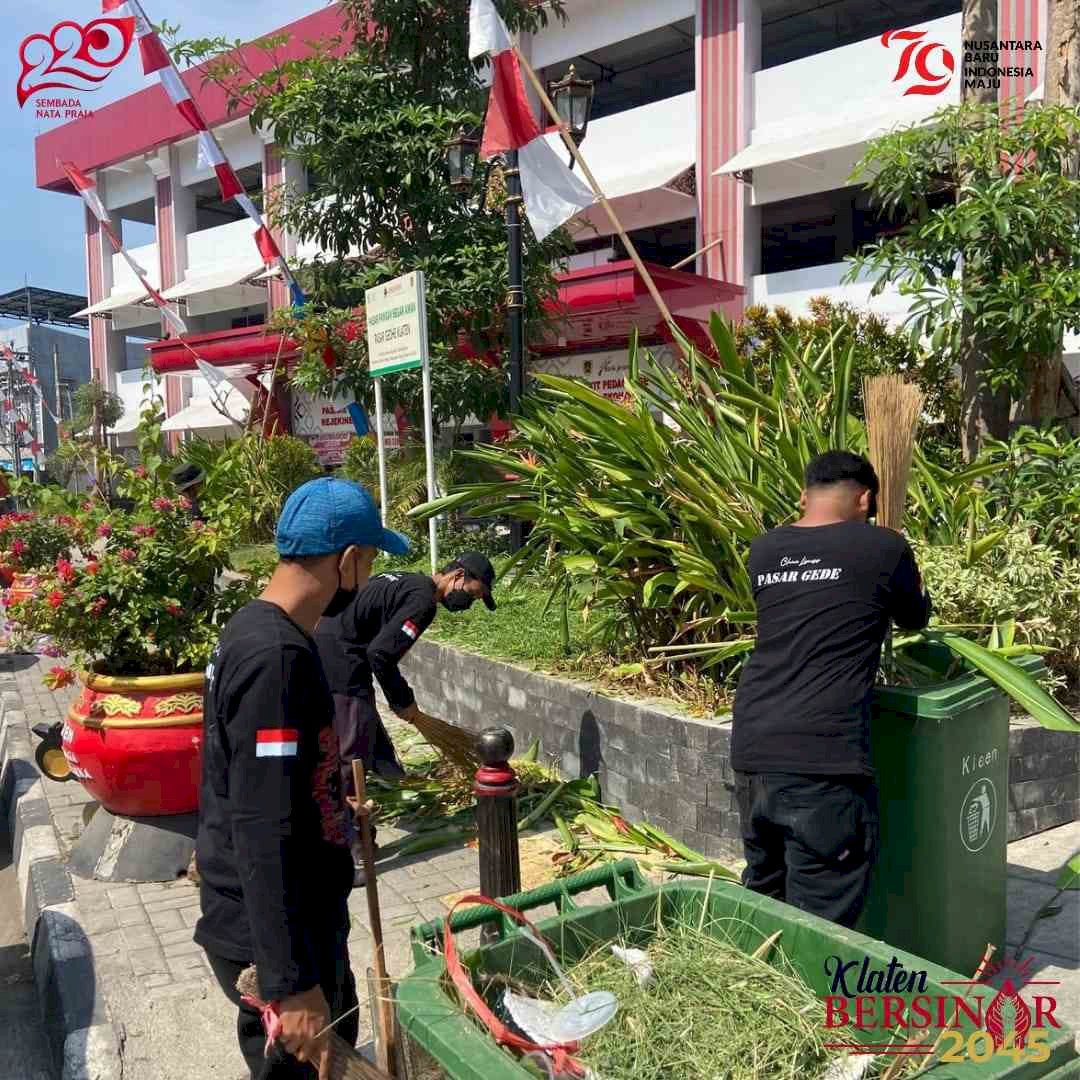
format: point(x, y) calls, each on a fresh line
point(324, 424)
point(397, 325)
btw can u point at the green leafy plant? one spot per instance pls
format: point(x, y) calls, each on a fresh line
point(1038, 486)
point(31, 541)
point(644, 512)
point(138, 594)
point(993, 276)
point(248, 481)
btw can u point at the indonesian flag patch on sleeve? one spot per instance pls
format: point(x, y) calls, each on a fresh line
point(410, 629)
point(276, 742)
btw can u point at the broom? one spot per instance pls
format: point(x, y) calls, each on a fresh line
point(345, 1062)
point(893, 408)
point(458, 746)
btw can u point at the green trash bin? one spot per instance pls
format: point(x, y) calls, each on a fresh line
point(942, 759)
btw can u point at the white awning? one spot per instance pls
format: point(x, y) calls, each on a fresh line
point(124, 298)
point(811, 143)
point(1038, 94)
point(209, 279)
point(637, 178)
point(126, 424)
point(200, 414)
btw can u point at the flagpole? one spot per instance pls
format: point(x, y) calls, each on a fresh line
point(640, 266)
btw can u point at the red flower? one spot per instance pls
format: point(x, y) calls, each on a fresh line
point(59, 677)
point(144, 530)
point(88, 506)
point(127, 555)
point(98, 606)
point(56, 598)
point(174, 609)
point(92, 567)
point(104, 529)
point(198, 526)
point(68, 520)
point(184, 502)
point(162, 504)
point(18, 547)
point(140, 471)
point(65, 571)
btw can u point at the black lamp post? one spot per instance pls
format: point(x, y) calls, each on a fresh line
point(573, 100)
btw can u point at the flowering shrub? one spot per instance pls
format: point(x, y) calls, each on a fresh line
point(137, 596)
point(32, 541)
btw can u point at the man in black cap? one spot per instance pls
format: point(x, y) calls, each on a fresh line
point(188, 479)
point(367, 642)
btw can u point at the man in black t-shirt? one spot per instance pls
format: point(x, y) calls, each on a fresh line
point(368, 641)
point(826, 589)
point(272, 847)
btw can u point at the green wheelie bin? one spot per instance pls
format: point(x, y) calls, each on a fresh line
point(941, 754)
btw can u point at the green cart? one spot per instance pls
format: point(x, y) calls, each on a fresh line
point(453, 1045)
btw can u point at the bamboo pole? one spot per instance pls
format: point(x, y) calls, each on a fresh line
point(640, 266)
point(701, 251)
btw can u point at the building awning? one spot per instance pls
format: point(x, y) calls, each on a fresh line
point(806, 144)
point(599, 307)
point(124, 298)
point(643, 159)
point(240, 352)
point(126, 424)
point(210, 289)
point(200, 414)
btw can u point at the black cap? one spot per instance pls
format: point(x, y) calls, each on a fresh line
point(186, 476)
point(478, 566)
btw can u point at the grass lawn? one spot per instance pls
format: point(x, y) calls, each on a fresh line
point(519, 630)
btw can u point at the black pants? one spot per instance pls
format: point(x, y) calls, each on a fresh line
point(339, 986)
point(809, 840)
point(362, 735)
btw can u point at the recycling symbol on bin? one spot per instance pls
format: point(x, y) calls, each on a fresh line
point(978, 815)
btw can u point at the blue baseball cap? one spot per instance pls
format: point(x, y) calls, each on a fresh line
point(328, 515)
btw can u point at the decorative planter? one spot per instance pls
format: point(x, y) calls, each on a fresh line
point(135, 742)
point(22, 586)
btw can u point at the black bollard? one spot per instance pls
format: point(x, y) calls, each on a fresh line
point(496, 790)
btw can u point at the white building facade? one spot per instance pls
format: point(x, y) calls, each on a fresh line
point(724, 131)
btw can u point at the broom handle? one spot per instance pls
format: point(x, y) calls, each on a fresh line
point(385, 1046)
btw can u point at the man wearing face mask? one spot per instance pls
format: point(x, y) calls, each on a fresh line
point(826, 588)
point(368, 641)
point(272, 848)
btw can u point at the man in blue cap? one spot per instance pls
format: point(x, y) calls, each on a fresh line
point(272, 848)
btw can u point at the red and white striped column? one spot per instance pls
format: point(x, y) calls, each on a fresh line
point(273, 186)
point(728, 54)
point(1021, 20)
point(169, 267)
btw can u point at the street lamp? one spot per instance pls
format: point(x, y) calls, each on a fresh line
point(573, 101)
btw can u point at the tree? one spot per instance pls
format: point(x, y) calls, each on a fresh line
point(1062, 85)
point(995, 276)
point(368, 117)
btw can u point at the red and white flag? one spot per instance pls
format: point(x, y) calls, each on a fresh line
point(156, 59)
point(552, 193)
point(87, 188)
point(276, 742)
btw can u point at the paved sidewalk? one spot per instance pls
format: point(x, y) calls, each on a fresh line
point(173, 1022)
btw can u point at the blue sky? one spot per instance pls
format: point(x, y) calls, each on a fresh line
point(43, 231)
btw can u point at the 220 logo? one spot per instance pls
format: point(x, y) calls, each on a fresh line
point(72, 57)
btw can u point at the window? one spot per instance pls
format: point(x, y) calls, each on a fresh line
point(816, 230)
point(792, 29)
point(241, 321)
point(637, 71)
point(664, 245)
point(210, 211)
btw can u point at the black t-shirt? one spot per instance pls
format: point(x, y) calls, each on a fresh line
point(374, 632)
point(272, 849)
point(824, 596)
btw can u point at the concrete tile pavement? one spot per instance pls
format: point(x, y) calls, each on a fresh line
point(172, 1018)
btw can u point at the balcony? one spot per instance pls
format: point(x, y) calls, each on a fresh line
point(813, 117)
point(220, 264)
point(125, 304)
point(794, 289)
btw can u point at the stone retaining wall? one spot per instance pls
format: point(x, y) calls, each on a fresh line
point(672, 769)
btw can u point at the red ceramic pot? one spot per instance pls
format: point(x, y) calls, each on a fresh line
point(135, 742)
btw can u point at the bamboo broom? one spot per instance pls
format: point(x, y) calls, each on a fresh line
point(455, 744)
point(893, 408)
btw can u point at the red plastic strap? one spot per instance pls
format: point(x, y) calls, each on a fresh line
point(559, 1052)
